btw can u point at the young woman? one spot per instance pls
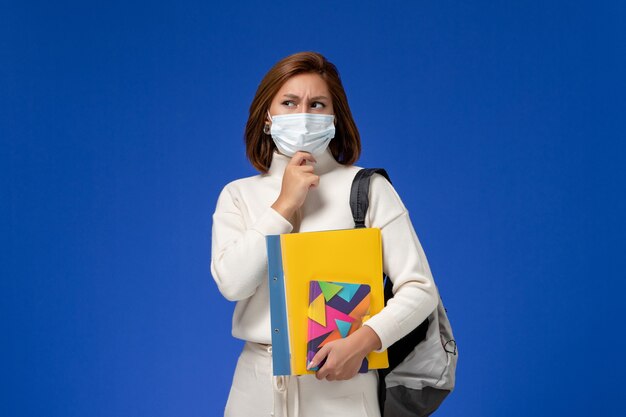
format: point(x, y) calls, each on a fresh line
point(302, 139)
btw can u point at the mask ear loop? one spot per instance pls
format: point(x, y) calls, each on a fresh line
point(266, 128)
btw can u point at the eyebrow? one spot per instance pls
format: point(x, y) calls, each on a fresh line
point(312, 98)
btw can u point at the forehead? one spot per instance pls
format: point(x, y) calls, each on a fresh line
point(311, 84)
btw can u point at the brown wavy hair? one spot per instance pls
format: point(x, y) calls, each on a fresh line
point(345, 146)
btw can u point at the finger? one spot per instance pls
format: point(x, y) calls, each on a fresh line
point(306, 168)
point(322, 373)
point(319, 356)
point(309, 178)
point(308, 156)
point(301, 157)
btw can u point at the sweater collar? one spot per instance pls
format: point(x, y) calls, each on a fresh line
point(325, 162)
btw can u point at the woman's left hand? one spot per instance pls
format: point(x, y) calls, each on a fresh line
point(345, 356)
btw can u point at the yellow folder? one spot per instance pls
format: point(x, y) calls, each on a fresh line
point(296, 259)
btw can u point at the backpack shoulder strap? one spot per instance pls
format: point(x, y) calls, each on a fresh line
point(359, 193)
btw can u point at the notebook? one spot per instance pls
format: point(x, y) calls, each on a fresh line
point(336, 310)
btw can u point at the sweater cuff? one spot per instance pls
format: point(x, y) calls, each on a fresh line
point(272, 222)
point(384, 329)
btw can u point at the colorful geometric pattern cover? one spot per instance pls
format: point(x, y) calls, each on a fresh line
point(336, 310)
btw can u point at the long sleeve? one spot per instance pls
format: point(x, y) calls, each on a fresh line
point(238, 253)
point(404, 262)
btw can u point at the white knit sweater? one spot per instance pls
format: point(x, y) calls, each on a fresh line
point(244, 216)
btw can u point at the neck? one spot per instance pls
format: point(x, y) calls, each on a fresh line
point(325, 162)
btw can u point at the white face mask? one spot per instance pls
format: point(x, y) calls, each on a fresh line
point(302, 132)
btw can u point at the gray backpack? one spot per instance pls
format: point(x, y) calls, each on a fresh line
point(422, 364)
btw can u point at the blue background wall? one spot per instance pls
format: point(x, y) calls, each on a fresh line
point(501, 123)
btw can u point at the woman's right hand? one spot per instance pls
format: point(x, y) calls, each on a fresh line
point(298, 178)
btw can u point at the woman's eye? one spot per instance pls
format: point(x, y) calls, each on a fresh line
point(322, 104)
point(287, 101)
